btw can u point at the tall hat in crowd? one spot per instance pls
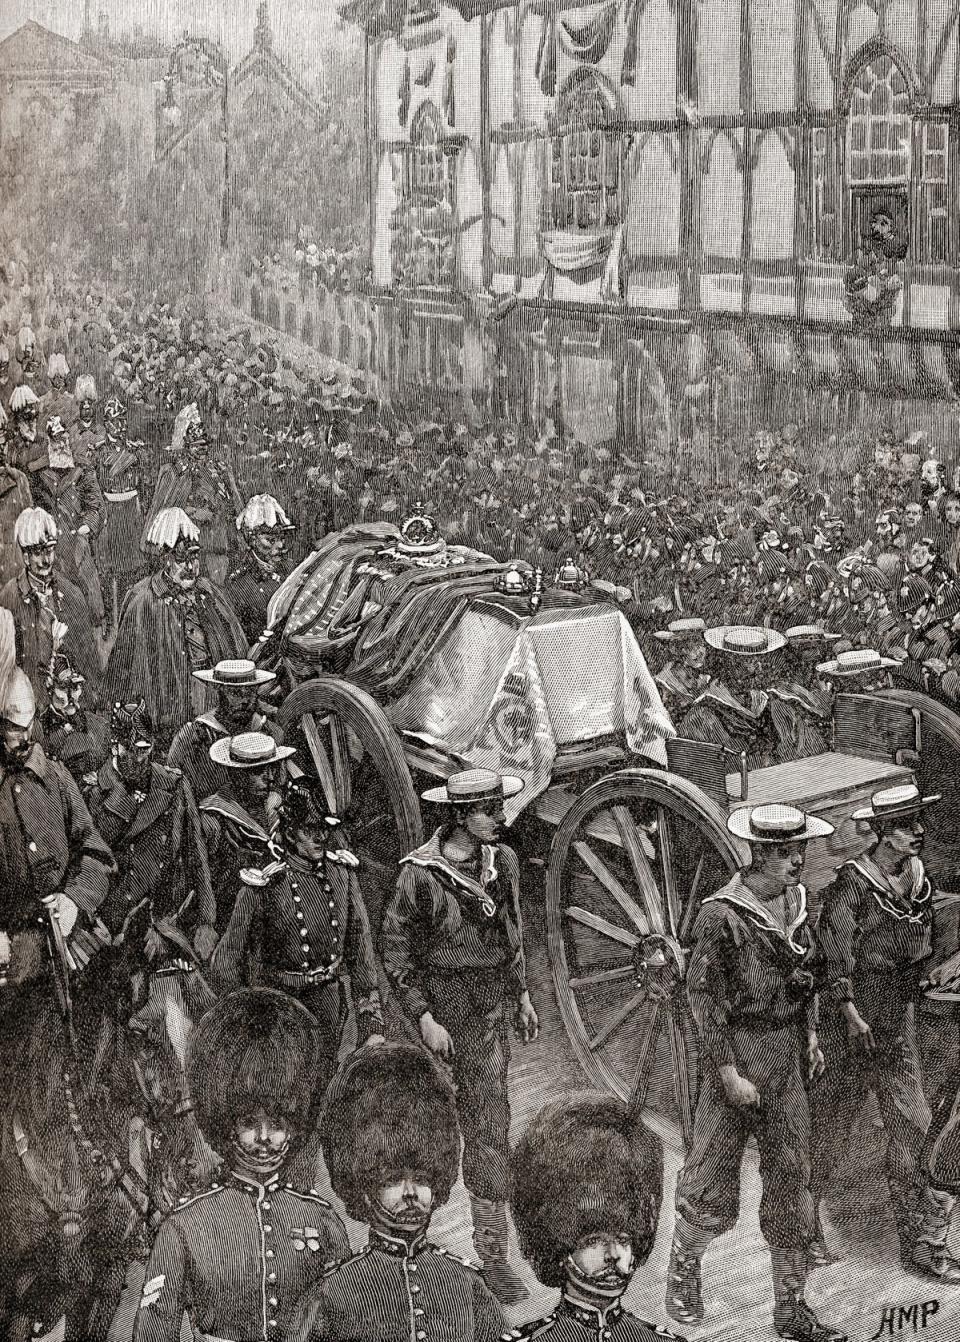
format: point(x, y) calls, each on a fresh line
point(22, 400)
point(17, 702)
point(57, 366)
point(170, 529)
point(263, 513)
point(256, 1048)
point(33, 528)
point(584, 1166)
point(389, 1109)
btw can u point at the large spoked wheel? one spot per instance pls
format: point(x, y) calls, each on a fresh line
point(628, 867)
point(345, 742)
point(938, 770)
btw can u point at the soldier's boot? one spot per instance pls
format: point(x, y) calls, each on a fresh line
point(491, 1241)
point(684, 1297)
point(793, 1319)
point(926, 1254)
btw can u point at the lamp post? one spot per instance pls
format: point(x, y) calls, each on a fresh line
point(215, 73)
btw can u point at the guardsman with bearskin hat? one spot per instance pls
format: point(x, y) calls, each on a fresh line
point(453, 951)
point(587, 1187)
point(303, 922)
point(237, 1257)
point(392, 1146)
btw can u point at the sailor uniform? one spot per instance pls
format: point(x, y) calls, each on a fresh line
point(750, 986)
point(395, 1291)
point(236, 1259)
point(875, 941)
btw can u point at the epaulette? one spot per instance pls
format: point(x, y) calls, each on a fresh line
point(309, 1194)
point(338, 1263)
point(528, 1331)
point(343, 857)
point(445, 1253)
point(192, 1199)
point(259, 877)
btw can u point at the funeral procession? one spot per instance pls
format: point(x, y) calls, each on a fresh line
point(479, 670)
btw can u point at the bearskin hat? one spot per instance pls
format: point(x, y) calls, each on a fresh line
point(389, 1108)
point(584, 1166)
point(256, 1048)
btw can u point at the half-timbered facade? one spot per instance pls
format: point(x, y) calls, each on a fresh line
point(708, 187)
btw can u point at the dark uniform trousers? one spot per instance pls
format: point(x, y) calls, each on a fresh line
point(751, 993)
point(875, 945)
point(472, 1006)
point(390, 1292)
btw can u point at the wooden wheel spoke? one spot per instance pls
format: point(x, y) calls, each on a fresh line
point(647, 1057)
point(642, 871)
point(342, 769)
point(603, 976)
point(617, 1021)
point(603, 926)
point(691, 907)
point(681, 1069)
point(605, 876)
point(666, 868)
point(321, 760)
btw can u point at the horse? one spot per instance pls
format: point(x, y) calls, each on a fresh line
point(78, 1204)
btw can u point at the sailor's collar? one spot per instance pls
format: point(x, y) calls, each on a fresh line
point(739, 894)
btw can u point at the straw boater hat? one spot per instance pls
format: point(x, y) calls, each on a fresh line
point(776, 824)
point(475, 785)
point(809, 633)
point(744, 640)
point(235, 674)
point(682, 630)
point(892, 802)
point(856, 662)
point(249, 750)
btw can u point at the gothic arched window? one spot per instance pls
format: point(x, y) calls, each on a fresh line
point(427, 164)
point(878, 135)
point(585, 172)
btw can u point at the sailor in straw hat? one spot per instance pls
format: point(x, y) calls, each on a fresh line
point(587, 1188)
point(875, 932)
point(241, 818)
point(453, 951)
point(861, 670)
point(800, 709)
point(238, 683)
point(732, 711)
point(173, 622)
point(237, 1257)
point(392, 1145)
point(683, 678)
point(751, 989)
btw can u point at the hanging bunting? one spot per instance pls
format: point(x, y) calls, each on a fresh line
point(449, 86)
point(546, 65)
point(587, 39)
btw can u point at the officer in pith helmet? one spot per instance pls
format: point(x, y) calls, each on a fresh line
point(392, 1146)
point(264, 530)
point(172, 623)
point(453, 952)
point(236, 1258)
point(587, 1182)
point(58, 403)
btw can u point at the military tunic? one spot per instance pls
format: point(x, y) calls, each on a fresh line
point(452, 945)
point(306, 931)
point(235, 840)
point(750, 986)
point(571, 1322)
point(250, 588)
point(236, 1259)
point(393, 1291)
